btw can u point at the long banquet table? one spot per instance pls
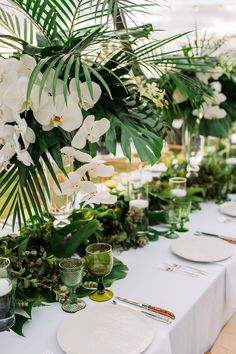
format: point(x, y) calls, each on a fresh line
point(202, 305)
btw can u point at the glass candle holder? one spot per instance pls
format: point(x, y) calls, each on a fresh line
point(60, 206)
point(7, 309)
point(138, 207)
point(178, 187)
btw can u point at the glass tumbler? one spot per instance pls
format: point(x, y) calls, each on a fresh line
point(178, 187)
point(7, 309)
point(138, 207)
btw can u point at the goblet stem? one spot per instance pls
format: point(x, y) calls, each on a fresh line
point(100, 287)
point(171, 233)
point(73, 296)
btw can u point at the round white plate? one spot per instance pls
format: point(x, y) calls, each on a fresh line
point(202, 248)
point(105, 329)
point(228, 208)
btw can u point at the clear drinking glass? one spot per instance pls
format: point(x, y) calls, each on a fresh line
point(178, 187)
point(7, 309)
point(138, 206)
point(99, 259)
point(72, 272)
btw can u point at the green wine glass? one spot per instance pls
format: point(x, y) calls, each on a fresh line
point(72, 272)
point(183, 208)
point(99, 260)
point(173, 220)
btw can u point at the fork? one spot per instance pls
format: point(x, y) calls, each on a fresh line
point(169, 268)
point(154, 316)
point(179, 266)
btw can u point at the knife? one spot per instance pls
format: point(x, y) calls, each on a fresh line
point(148, 307)
point(225, 238)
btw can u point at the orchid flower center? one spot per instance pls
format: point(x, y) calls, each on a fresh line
point(26, 104)
point(84, 103)
point(57, 120)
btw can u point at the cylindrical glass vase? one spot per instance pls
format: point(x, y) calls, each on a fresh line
point(60, 205)
point(193, 144)
point(7, 310)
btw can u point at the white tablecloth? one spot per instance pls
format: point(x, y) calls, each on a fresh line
point(202, 305)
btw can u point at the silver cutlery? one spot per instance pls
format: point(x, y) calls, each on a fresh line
point(169, 268)
point(154, 316)
point(184, 266)
point(222, 237)
point(148, 307)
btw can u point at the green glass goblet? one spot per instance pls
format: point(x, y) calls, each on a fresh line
point(173, 220)
point(72, 272)
point(183, 208)
point(99, 260)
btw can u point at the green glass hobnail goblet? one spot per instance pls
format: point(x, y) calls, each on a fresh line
point(99, 260)
point(183, 208)
point(173, 220)
point(72, 272)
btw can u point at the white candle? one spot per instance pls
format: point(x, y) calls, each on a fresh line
point(231, 161)
point(233, 138)
point(5, 286)
point(177, 192)
point(139, 203)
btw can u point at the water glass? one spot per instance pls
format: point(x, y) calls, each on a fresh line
point(183, 208)
point(7, 309)
point(173, 221)
point(138, 207)
point(72, 272)
point(178, 187)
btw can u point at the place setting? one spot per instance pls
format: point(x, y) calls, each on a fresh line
point(116, 322)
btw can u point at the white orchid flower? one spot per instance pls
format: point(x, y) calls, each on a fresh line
point(49, 82)
point(6, 153)
point(86, 102)
point(24, 157)
point(203, 77)
point(216, 73)
point(58, 114)
point(100, 198)
point(24, 66)
point(215, 99)
point(179, 97)
point(27, 134)
point(214, 112)
point(74, 184)
point(95, 169)
point(6, 133)
point(216, 86)
point(177, 123)
point(91, 130)
point(7, 115)
point(22, 154)
point(69, 154)
point(15, 96)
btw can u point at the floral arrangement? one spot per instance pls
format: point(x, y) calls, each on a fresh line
point(208, 112)
point(67, 87)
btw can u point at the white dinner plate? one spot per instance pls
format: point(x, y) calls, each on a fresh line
point(202, 248)
point(105, 329)
point(228, 208)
